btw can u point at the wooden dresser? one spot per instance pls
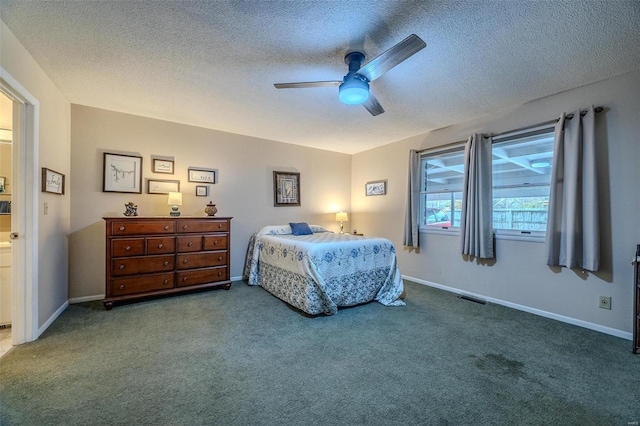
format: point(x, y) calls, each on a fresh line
point(152, 256)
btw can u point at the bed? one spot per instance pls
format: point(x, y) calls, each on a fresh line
point(319, 272)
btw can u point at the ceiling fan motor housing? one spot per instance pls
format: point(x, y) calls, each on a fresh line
point(354, 89)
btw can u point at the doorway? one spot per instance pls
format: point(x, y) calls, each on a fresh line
point(6, 159)
point(24, 219)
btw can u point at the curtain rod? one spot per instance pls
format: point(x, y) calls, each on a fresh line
point(568, 116)
point(493, 135)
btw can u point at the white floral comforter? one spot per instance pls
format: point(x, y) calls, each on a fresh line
point(320, 272)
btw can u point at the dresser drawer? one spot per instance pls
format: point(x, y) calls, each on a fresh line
point(143, 227)
point(189, 243)
point(160, 245)
point(216, 242)
point(127, 247)
point(123, 286)
point(203, 226)
point(201, 276)
point(201, 260)
point(141, 265)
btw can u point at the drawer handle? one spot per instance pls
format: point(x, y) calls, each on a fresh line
point(121, 266)
point(121, 286)
point(166, 263)
point(219, 274)
point(184, 279)
point(185, 261)
point(165, 281)
point(219, 257)
point(185, 226)
point(219, 226)
point(160, 245)
point(127, 248)
point(166, 227)
point(122, 228)
point(190, 244)
point(215, 243)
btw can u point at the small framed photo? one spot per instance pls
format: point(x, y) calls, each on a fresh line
point(378, 187)
point(3, 184)
point(162, 166)
point(202, 191)
point(202, 175)
point(52, 181)
point(162, 186)
point(122, 173)
point(286, 189)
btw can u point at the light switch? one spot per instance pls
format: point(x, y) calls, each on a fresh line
point(46, 208)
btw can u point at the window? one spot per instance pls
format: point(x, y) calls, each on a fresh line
point(521, 178)
point(441, 189)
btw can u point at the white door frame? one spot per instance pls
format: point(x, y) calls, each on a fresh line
point(24, 195)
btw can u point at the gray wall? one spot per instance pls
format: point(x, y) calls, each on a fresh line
point(244, 191)
point(520, 276)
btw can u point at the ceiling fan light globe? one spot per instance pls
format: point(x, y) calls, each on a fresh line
point(354, 90)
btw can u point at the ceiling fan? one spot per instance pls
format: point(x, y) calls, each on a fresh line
point(354, 87)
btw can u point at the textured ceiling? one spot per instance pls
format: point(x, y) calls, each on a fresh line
point(213, 63)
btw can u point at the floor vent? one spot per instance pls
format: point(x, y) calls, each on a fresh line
point(473, 299)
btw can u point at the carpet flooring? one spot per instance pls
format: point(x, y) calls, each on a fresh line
point(243, 357)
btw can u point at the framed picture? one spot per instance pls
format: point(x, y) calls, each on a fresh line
point(162, 166)
point(286, 189)
point(3, 184)
point(202, 191)
point(378, 187)
point(202, 175)
point(162, 186)
point(122, 173)
point(52, 181)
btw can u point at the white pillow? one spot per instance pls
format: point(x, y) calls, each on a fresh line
point(286, 230)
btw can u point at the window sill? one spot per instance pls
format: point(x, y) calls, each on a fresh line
point(520, 237)
point(441, 231)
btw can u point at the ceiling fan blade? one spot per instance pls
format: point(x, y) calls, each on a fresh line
point(372, 105)
point(303, 85)
point(392, 57)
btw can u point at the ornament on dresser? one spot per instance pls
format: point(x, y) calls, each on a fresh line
point(131, 209)
point(211, 209)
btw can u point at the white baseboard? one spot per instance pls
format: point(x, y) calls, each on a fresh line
point(86, 299)
point(52, 318)
point(238, 278)
point(539, 312)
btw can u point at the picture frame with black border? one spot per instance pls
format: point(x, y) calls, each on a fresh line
point(377, 187)
point(52, 181)
point(122, 173)
point(160, 165)
point(162, 186)
point(286, 189)
point(202, 175)
point(202, 191)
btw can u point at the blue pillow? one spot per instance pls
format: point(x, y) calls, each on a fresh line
point(301, 228)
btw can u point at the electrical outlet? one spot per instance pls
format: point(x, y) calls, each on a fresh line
point(604, 302)
point(46, 208)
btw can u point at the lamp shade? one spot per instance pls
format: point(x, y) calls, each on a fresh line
point(175, 199)
point(354, 90)
point(342, 217)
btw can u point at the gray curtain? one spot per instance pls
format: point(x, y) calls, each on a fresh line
point(411, 224)
point(573, 233)
point(476, 225)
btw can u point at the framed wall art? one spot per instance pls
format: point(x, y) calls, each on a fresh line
point(202, 191)
point(122, 173)
point(52, 181)
point(202, 175)
point(378, 187)
point(160, 165)
point(162, 186)
point(286, 189)
point(3, 184)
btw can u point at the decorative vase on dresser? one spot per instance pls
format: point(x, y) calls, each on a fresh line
point(153, 256)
